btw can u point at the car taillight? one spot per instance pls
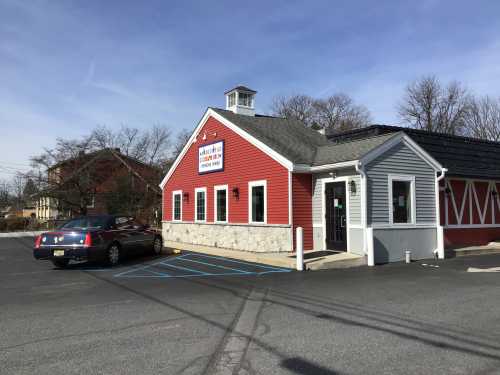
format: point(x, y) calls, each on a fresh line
point(38, 241)
point(88, 240)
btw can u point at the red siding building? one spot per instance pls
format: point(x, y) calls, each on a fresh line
point(246, 182)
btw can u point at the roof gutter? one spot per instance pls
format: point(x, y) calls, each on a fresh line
point(304, 168)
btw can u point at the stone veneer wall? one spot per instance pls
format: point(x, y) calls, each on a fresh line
point(254, 238)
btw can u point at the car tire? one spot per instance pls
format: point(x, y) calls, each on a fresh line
point(60, 263)
point(157, 246)
point(113, 255)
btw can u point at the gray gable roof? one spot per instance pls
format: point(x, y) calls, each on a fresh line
point(351, 150)
point(288, 137)
point(300, 144)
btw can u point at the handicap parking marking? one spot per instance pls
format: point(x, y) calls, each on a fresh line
point(255, 265)
point(178, 271)
point(214, 265)
point(167, 264)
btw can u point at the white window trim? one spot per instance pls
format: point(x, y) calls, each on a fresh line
point(174, 193)
point(204, 190)
point(413, 213)
point(216, 189)
point(252, 184)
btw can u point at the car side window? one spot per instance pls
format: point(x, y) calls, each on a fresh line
point(122, 222)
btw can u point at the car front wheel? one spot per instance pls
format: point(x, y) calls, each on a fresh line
point(113, 255)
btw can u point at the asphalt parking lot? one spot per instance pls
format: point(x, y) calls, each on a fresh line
point(198, 314)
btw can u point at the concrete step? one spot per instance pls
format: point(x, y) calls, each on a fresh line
point(342, 260)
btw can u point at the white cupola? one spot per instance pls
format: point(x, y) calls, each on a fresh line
point(241, 100)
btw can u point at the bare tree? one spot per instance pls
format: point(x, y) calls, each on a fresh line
point(299, 107)
point(5, 197)
point(483, 119)
point(180, 142)
point(339, 113)
point(429, 105)
point(81, 174)
point(335, 113)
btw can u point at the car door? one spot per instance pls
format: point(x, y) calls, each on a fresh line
point(143, 239)
point(123, 234)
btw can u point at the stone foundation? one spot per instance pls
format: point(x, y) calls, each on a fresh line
point(254, 238)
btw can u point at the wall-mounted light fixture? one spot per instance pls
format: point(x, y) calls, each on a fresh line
point(333, 174)
point(353, 187)
point(236, 192)
point(447, 191)
point(185, 197)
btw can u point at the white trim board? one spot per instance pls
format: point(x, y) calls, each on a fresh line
point(252, 184)
point(174, 193)
point(196, 191)
point(218, 188)
point(324, 181)
point(413, 208)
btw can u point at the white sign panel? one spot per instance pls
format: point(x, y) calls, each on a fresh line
point(211, 157)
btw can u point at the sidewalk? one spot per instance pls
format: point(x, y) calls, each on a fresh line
point(287, 260)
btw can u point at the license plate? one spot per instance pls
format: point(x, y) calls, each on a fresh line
point(58, 253)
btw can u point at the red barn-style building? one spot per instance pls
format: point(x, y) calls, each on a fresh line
point(246, 181)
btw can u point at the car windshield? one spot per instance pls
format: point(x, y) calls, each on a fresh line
point(86, 223)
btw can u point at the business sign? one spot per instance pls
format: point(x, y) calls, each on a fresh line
point(211, 157)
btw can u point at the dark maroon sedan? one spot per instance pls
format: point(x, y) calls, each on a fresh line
point(103, 238)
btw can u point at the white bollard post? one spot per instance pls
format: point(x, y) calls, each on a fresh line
point(299, 246)
point(408, 256)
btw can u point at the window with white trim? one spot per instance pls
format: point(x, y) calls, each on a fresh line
point(245, 99)
point(401, 199)
point(220, 204)
point(177, 205)
point(231, 99)
point(200, 205)
point(257, 201)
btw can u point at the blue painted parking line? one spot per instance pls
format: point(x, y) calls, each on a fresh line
point(143, 268)
point(199, 268)
point(167, 264)
point(279, 269)
point(215, 265)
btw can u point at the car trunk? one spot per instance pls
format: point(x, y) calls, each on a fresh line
point(63, 238)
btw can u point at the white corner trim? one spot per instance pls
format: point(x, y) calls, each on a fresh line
point(216, 189)
point(252, 184)
point(413, 208)
point(251, 139)
point(196, 190)
point(174, 193)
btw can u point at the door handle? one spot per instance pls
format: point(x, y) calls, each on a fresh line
point(342, 221)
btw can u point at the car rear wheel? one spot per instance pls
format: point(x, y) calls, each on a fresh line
point(60, 263)
point(157, 246)
point(113, 255)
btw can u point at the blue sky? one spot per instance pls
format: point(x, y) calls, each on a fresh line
point(67, 66)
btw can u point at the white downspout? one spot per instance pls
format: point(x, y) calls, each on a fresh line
point(368, 250)
point(440, 231)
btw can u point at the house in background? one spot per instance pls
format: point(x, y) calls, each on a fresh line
point(100, 182)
